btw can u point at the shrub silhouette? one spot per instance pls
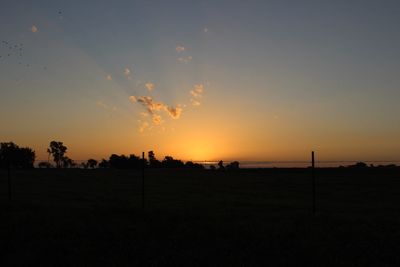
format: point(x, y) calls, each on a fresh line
point(221, 165)
point(104, 164)
point(67, 162)
point(134, 162)
point(153, 162)
point(233, 165)
point(45, 165)
point(170, 162)
point(92, 163)
point(191, 165)
point(118, 162)
point(123, 162)
point(359, 165)
point(11, 155)
point(84, 165)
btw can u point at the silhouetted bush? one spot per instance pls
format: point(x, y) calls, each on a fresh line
point(123, 162)
point(170, 162)
point(135, 162)
point(67, 162)
point(118, 162)
point(221, 165)
point(389, 166)
point(233, 165)
point(104, 164)
point(16, 157)
point(45, 165)
point(153, 162)
point(92, 163)
point(191, 165)
point(359, 165)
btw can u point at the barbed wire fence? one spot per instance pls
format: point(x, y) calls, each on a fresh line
point(267, 164)
point(313, 164)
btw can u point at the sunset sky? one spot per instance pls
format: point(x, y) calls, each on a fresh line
point(202, 80)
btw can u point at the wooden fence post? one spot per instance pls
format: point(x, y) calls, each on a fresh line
point(9, 180)
point(314, 204)
point(143, 166)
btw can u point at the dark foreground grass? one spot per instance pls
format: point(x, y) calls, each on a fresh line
point(200, 218)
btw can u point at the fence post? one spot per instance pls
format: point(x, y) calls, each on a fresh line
point(143, 165)
point(313, 183)
point(9, 180)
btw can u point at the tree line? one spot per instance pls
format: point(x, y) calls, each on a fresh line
point(11, 155)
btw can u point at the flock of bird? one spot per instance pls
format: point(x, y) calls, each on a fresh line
point(9, 49)
point(12, 49)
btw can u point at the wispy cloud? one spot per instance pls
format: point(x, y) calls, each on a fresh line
point(133, 98)
point(195, 102)
point(157, 120)
point(143, 126)
point(102, 105)
point(205, 29)
point(174, 112)
point(150, 86)
point(185, 60)
point(108, 77)
point(180, 48)
point(148, 103)
point(127, 72)
point(197, 90)
point(34, 29)
point(197, 94)
point(154, 108)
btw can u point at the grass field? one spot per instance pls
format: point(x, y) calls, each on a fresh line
point(80, 217)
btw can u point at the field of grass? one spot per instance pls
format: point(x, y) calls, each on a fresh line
point(80, 217)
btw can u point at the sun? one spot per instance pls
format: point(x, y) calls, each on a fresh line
point(196, 150)
point(201, 152)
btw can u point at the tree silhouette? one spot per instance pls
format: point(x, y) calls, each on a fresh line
point(233, 165)
point(170, 162)
point(104, 164)
point(359, 165)
point(11, 155)
point(67, 162)
point(123, 162)
point(153, 162)
point(191, 165)
point(44, 165)
point(57, 150)
point(49, 154)
point(135, 162)
point(221, 165)
point(118, 162)
point(151, 156)
point(92, 163)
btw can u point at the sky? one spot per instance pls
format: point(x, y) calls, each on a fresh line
point(202, 80)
